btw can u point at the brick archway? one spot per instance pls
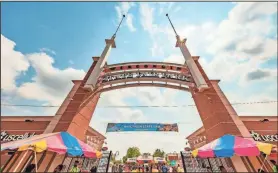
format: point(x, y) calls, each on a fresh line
point(216, 113)
point(76, 111)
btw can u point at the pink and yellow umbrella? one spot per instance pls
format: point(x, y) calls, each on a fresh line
point(229, 145)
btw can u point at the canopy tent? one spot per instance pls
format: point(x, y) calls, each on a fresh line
point(145, 159)
point(61, 143)
point(229, 145)
point(159, 160)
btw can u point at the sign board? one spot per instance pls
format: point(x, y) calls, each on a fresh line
point(6, 137)
point(159, 160)
point(121, 127)
point(103, 164)
point(133, 75)
point(264, 138)
point(131, 160)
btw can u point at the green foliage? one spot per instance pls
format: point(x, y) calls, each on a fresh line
point(158, 153)
point(124, 159)
point(133, 152)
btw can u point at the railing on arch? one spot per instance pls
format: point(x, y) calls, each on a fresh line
point(191, 164)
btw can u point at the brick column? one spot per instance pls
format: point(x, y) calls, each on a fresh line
point(80, 123)
point(217, 115)
point(74, 112)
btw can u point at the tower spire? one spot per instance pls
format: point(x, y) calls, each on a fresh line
point(172, 25)
point(93, 77)
point(199, 80)
point(114, 35)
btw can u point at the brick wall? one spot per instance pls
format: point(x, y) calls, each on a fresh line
point(16, 125)
point(253, 123)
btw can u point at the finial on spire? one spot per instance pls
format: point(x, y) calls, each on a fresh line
point(172, 25)
point(114, 35)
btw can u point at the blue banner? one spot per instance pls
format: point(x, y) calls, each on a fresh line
point(125, 127)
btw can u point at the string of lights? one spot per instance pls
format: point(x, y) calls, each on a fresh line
point(139, 106)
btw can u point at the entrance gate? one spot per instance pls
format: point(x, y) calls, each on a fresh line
point(191, 164)
point(102, 164)
point(74, 115)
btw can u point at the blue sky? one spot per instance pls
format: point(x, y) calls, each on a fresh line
point(48, 44)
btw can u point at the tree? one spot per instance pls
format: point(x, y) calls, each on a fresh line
point(133, 152)
point(158, 153)
point(124, 159)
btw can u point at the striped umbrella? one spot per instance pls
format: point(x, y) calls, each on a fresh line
point(229, 145)
point(60, 143)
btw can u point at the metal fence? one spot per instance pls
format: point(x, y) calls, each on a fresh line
point(87, 163)
point(191, 164)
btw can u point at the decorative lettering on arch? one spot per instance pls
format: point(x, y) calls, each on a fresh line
point(265, 138)
point(133, 75)
point(5, 137)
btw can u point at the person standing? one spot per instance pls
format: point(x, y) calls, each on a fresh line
point(75, 167)
point(120, 168)
point(164, 168)
point(179, 168)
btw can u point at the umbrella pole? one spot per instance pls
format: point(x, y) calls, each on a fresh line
point(36, 166)
point(15, 169)
point(263, 163)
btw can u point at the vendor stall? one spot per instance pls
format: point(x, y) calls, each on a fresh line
point(228, 145)
point(60, 143)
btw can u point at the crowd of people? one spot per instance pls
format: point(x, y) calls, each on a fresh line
point(146, 168)
point(77, 167)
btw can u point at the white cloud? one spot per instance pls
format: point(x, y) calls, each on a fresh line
point(236, 49)
point(13, 64)
point(50, 84)
point(129, 23)
point(123, 9)
point(146, 17)
point(47, 50)
point(262, 109)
